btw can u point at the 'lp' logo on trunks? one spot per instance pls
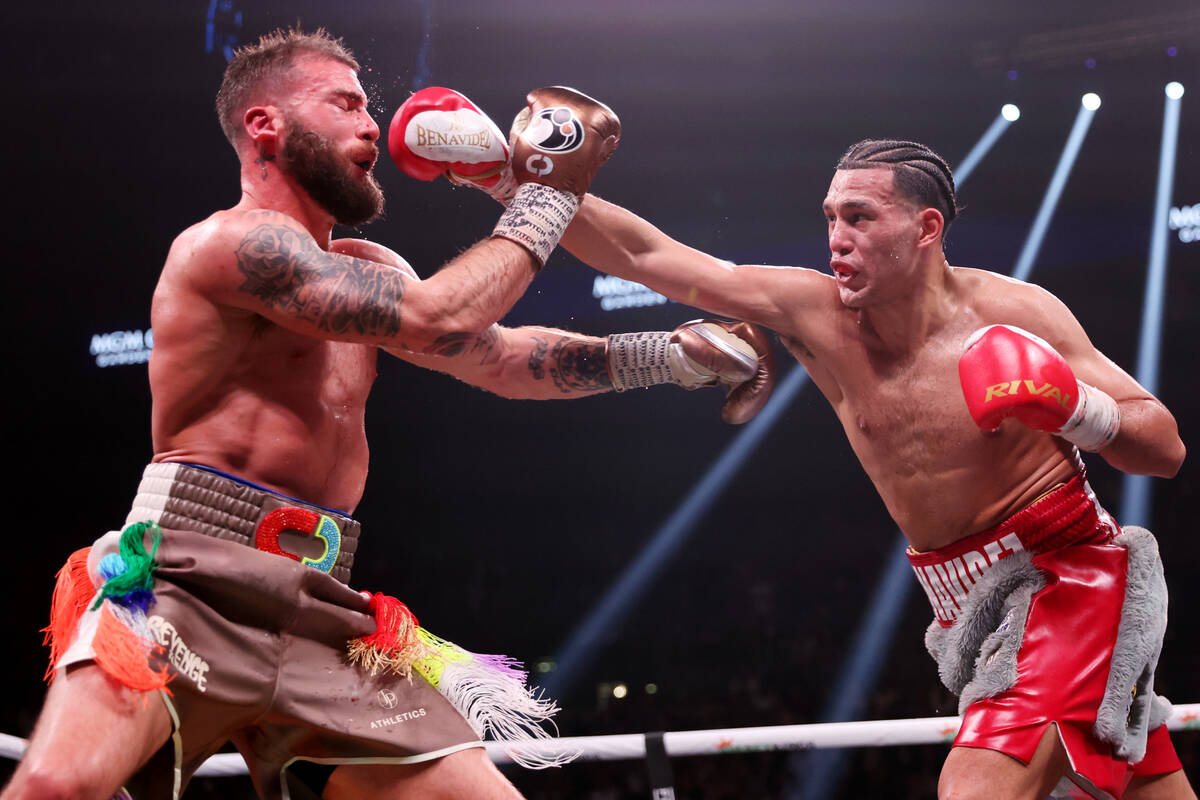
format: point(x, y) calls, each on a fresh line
point(291, 518)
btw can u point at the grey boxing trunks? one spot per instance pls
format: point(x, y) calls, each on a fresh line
point(248, 627)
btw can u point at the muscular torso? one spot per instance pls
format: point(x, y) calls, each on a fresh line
point(940, 476)
point(234, 391)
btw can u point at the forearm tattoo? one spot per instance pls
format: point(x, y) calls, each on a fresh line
point(454, 344)
point(288, 272)
point(538, 357)
point(579, 366)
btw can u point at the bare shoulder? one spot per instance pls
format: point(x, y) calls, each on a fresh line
point(227, 230)
point(373, 251)
point(999, 299)
point(205, 256)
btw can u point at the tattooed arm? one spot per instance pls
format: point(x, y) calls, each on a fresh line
point(528, 363)
point(278, 270)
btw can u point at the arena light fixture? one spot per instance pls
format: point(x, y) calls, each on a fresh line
point(1008, 114)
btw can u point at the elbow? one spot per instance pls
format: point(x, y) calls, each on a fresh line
point(1173, 460)
point(1173, 451)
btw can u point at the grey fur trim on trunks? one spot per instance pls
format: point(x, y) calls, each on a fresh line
point(1130, 709)
point(977, 655)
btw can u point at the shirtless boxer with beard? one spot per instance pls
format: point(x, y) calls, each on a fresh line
point(222, 612)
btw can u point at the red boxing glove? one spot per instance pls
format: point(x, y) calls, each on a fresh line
point(1009, 372)
point(438, 131)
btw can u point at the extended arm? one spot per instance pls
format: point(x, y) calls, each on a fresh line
point(527, 363)
point(618, 242)
point(535, 363)
point(603, 235)
point(280, 272)
point(543, 363)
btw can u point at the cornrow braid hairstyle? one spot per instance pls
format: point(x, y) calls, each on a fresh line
point(920, 174)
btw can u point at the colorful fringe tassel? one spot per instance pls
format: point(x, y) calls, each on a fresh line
point(73, 590)
point(122, 644)
point(394, 646)
point(488, 690)
point(129, 575)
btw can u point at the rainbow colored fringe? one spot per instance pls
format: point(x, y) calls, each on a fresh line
point(122, 644)
point(488, 690)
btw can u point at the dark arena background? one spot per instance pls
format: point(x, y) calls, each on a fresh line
point(506, 525)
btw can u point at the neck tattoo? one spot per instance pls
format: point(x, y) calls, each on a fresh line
point(262, 162)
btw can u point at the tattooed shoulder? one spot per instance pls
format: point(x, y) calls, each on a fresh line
point(285, 270)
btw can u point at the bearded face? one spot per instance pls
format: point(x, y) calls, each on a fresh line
point(334, 183)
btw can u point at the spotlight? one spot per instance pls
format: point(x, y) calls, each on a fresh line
point(1174, 90)
point(1010, 112)
point(1091, 101)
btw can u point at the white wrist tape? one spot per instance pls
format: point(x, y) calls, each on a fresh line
point(648, 358)
point(1095, 421)
point(536, 218)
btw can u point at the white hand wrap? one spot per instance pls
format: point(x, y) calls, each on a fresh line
point(536, 218)
point(1095, 421)
point(648, 358)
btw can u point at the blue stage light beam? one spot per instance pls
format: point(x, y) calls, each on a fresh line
point(818, 772)
point(631, 585)
point(1033, 242)
point(1006, 117)
point(1136, 500)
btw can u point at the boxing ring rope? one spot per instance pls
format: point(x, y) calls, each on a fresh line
point(630, 746)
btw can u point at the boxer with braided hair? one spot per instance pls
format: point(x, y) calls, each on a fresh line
point(918, 172)
point(967, 397)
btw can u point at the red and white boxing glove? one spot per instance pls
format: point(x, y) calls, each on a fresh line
point(1009, 372)
point(438, 131)
point(705, 352)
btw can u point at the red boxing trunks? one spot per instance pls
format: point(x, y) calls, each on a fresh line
point(255, 644)
point(1065, 652)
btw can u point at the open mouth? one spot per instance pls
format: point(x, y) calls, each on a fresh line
point(368, 163)
point(843, 272)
